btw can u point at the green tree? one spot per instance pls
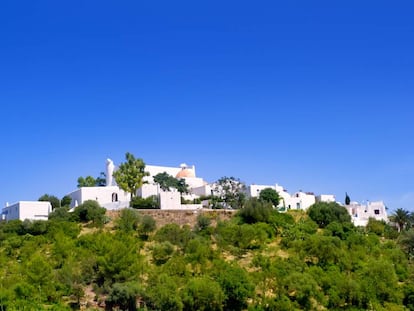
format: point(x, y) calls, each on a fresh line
point(401, 218)
point(52, 199)
point(128, 220)
point(256, 210)
point(123, 296)
point(100, 181)
point(146, 226)
point(270, 195)
point(203, 222)
point(88, 181)
point(237, 287)
point(66, 200)
point(230, 191)
point(347, 199)
point(90, 210)
point(162, 252)
point(167, 182)
point(203, 294)
point(130, 174)
point(406, 240)
point(151, 202)
point(161, 293)
point(323, 213)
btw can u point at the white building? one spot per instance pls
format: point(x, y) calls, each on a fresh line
point(31, 210)
point(360, 213)
point(299, 200)
point(197, 186)
point(328, 198)
point(110, 197)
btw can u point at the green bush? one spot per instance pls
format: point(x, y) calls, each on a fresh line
point(151, 202)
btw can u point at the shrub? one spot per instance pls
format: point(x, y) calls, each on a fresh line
point(324, 213)
point(145, 203)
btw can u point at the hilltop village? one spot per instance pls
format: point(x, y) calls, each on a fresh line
point(198, 194)
point(160, 238)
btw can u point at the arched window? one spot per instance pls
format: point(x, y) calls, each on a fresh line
point(114, 197)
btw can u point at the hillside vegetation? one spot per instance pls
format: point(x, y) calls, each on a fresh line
point(258, 259)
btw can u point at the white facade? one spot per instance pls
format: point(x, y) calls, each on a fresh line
point(197, 186)
point(170, 200)
point(328, 198)
point(31, 210)
point(299, 200)
point(110, 197)
point(361, 213)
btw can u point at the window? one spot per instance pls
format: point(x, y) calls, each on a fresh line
point(377, 212)
point(114, 197)
point(297, 205)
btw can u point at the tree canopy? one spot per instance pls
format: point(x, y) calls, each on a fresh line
point(166, 182)
point(90, 181)
point(230, 191)
point(323, 213)
point(130, 174)
point(54, 200)
point(270, 195)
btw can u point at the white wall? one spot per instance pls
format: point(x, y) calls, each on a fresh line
point(170, 200)
point(148, 190)
point(32, 210)
point(204, 190)
point(360, 213)
point(103, 195)
point(326, 198)
point(253, 191)
point(300, 200)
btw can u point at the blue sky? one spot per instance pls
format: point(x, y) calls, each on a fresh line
point(312, 95)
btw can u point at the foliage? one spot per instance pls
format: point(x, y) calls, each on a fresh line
point(162, 252)
point(203, 222)
point(230, 191)
point(123, 296)
point(270, 195)
point(90, 210)
point(65, 201)
point(87, 181)
point(61, 213)
point(401, 218)
point(234, 265)
point(174, 234)
point(347, 199)
point(128, 220)
point(90, 181)
point(406, 240)
point(52, 199)
point(166, 182)
point(203, 294)
point(130, 174)
point(236, 285)
point(161, 293)
point(145, 203)
point(324, 213)
point(146, 226)
point(256, 210)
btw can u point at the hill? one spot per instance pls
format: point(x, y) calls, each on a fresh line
point(252, 259)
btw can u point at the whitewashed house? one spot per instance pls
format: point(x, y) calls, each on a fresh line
point(361, 213)
point(31, 210)
point(299, 200)
point(112, 197)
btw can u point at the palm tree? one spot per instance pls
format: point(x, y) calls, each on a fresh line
point(401, 218)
